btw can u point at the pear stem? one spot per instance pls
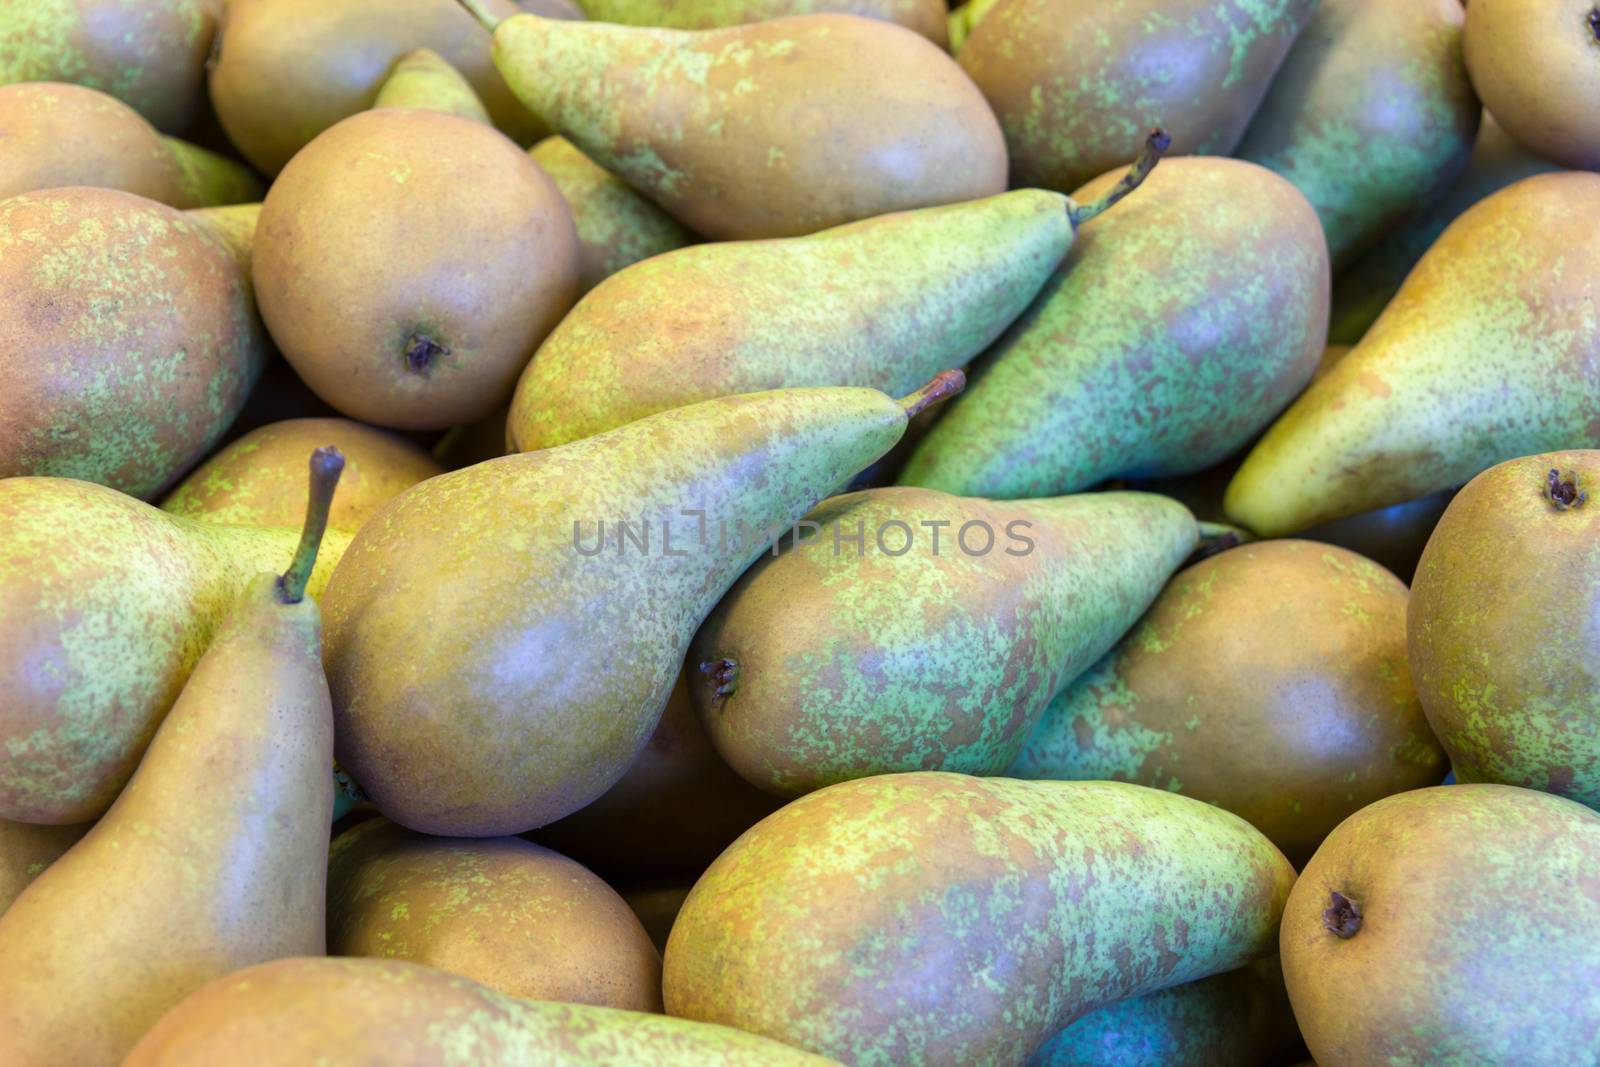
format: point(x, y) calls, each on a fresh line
point(1155, 146)
point(945, 384)
point(476, 9)
point(326, 466)
point(1216, 538)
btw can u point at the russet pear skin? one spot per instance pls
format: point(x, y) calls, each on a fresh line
point(927, 17)
point(27, 851)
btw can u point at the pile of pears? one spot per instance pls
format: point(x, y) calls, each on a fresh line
point(746, 533)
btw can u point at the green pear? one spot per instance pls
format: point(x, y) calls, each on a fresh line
point(927, 17)
point(212, 859)
point(1450, 927)
point(1533, 61)
point(932, 918)
point(885, 303)
point(27, 851)
point(425, 80)
point(1504, 626)
point(359, 1013)
point(1178, 325)
point(963, 19)
point(772, 129)
point(1371, 116)
point(1490, 350)
point(109, 604)
point(868, 647)
point(502, 640)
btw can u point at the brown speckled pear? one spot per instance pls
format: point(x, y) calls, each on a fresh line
point(1076, 84)
point(773, 129)
point(937, 919)
point(521, 919)
point(1534, 63)
point(424, 79)
point(927, 17)
point(214, 856)
point(425, 325)
point(1491, 350)
point(1450, 927)
point(387, 1013)
point(259, 479)
point(1269, 680)
point(147, 353)
point(27, 851)
point(1504, 626)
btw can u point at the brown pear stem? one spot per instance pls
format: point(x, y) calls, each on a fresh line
point(1155, 146)
point(326, 466)
point(945, 384)
point(1216, 538)
point(476, 9)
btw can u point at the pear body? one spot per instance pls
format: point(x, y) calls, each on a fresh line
point(1533, 62)
point(502, 714)
point(1475, 942)
point(1504, 628)
point(174, 900)
point(841, 660)
point(424, 80)
point(27, 851)
point(927, 17)
point(772, 129)
point(1490, 350)
point(1372, 115)
point(1178, 325)
point(1076, 86)
point(106, 605)
point(933, 918)
point(889, 302)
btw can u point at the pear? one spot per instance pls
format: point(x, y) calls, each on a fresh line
point(868, 647)
point(657, 905)
point(616, 226)
point(148, 350)
point(257, 480)
point(962, 19)
point(1489, 351)
point(1269, 680)
point(933, 918)
point(1532, 61)
point(1075, 84)
point(1178, 325)
point(150, 54)
point(1372, 115)
point(884, 303)
point(212, 859)
point(358, 1013)
point(108, 604)
point(27, 851)
point(519, 918)
point(772, 129)
point(535, 657)
point(927, 17)
point(1504, 626)
point(1450, 926)
point(424, 80)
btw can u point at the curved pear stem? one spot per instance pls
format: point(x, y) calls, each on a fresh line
point(1155, 146)
point(326, 466)
point(1215, 539)
point(476, 9)
point(945, 385)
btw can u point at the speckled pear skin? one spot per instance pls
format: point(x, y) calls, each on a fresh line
point(1269, 680)
point(926, 17)
point(1476, 942)
point(150, 54)
point(889, 303)
point(1504, 627)
point(521, 919)
point(147, 352)
point(828, 663)
point(1077, 85)
point(1534, 62)
point(26, 851)
point(424, 79)
point(174, 900)
point(932, 918)
point(260, 479)
point(388, 1013)
point(1368, 160)
point(491, 691)
point(1490, 350)
point(106, 605)
point(1240, 1018)
point(616, 226)
point(1178, 325)
point(774, 129)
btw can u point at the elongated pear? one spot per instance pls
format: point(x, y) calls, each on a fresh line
point(425, 80)
point(502, 639)
point(108, 605)
point(214, 857)
point(358, 1013)
point(869, 647)
point(1178, 325)
point(938, 919)
point(927, 17)
point(27, 851)
point(885, 303)
point(1491, 350)
point(773, 129)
